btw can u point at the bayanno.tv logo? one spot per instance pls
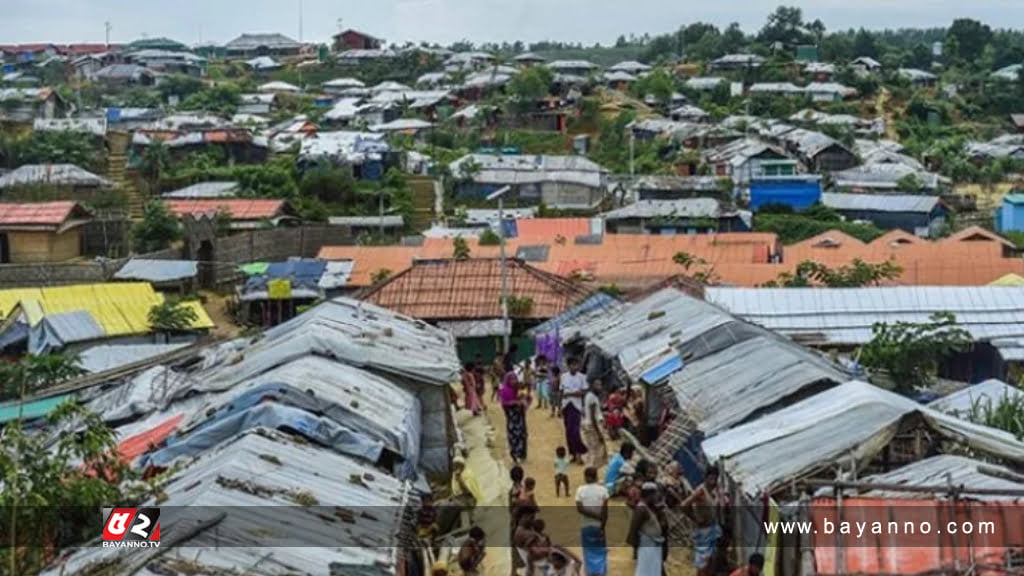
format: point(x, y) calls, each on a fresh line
point(132, 528)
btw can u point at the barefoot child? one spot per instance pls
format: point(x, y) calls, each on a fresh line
point(543, 382)
point(561, 471)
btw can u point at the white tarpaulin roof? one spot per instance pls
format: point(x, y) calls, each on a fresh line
point(854, 420)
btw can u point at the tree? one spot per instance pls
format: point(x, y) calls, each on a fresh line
point(530, 86)
point(854, 275)
point(222, 98)
point(171, 316)
point(733, 39)
point(329, 184)
point(909, 183)
point(970, 36)
point(1006, 414)
point(52, 483)
point(489, 238)
point(155, 162)
point(705, 273)
point(658, 84)
point(460, 248)
point(157, 229)
point(785, 25)
point(864, 44)
point(910, 353)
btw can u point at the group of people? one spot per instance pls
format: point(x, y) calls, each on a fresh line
point(534, 553)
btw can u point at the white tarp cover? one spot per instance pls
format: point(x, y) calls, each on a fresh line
point(854, 420)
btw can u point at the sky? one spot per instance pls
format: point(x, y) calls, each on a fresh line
point(446, 21)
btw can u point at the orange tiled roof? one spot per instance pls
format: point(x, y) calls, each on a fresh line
point(38, 213)
point(551, 228)
point(467, 290)
point(240, 209)
point(939, 551)
point(635, 261)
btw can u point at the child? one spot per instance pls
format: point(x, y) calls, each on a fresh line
point(527, 496)
point(561, 471)
point(555, 390)
point(543, 385)
point(615, 413)
point(538, 527)
point(526, 391)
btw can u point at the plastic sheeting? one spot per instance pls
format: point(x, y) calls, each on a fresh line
point(854, 420)
point(157, 270)
point(255, 480)
point(989, 392)
point(56, 331)
point(322, 430)
point(108, 357)
point(724, 389)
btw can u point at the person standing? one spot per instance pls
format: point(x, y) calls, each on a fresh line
point(573, 388)
point(592, 505)
point(597, 453)
point(515, 417)
point(705, 501)
point(555, 390)
point(469, 389)
point(647, 532)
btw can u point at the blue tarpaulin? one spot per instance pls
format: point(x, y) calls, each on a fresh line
point(670, 366)
point(598, 301)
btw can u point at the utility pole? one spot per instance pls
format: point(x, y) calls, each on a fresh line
point(632, 155)
point(300, 21)
point(506, 327)
point(106, 28)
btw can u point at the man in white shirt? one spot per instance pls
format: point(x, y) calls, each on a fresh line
point(574, 387)
point(592, 505)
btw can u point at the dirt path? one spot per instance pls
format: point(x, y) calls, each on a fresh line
point(559, 513)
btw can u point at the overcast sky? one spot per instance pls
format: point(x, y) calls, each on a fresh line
point(446, 21)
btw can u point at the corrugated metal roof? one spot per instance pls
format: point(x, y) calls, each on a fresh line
point(367, 221)
point(59, 330)
point(120, 308)
point(263, 483)
point(681, 208)
point(474, 328)
point(360, 334)
point(110, 356)
point(907, 552)
point(596, 305)
point(914, 203)
point(846, 315)
point(645, 331)
point(205, 190)
point(52, 174)
point(944, 470)
point(157, 270)
point(255, 41)
point(630, 66)
point(987, 393)
point(348, 395)
point(854, 419)
point(721, 390)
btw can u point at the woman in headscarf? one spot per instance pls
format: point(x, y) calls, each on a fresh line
point(515, 416)
point(469, 389)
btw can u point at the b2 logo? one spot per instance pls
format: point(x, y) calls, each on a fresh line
point(132, 525)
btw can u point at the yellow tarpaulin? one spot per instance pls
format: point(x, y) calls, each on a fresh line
point(119, 308)
point(1009, 280)
point(279, 289)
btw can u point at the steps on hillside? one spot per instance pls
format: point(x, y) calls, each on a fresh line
point(423, 199)
point(117, 172)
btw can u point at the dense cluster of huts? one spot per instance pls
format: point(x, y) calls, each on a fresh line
point(320, 432)
point(800, 434)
